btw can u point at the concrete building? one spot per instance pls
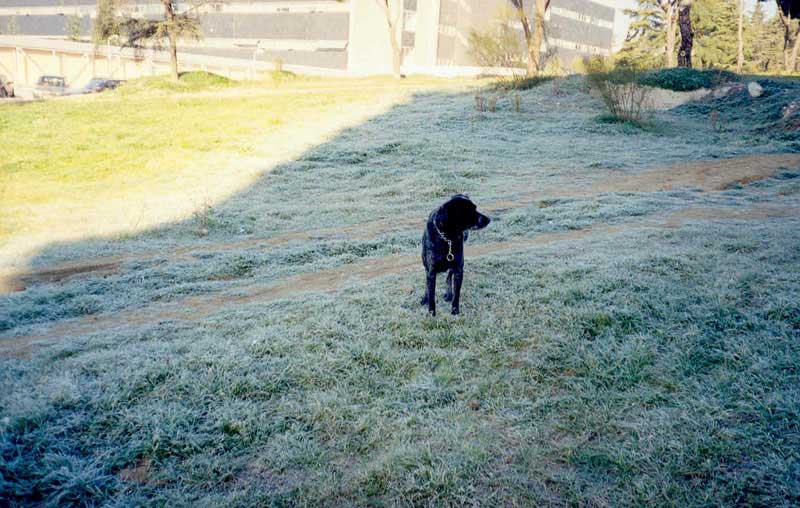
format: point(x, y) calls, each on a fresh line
point(323, 36)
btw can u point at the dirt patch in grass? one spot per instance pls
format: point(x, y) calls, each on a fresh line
point(138, 473)
point(67, 271)
point(195, 308)
point(762, 212)
point(708, 176)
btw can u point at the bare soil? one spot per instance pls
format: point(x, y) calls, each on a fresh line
point(198, 307)
point(707, 176)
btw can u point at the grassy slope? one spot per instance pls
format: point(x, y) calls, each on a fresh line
point(651, 367)
point(116, 150)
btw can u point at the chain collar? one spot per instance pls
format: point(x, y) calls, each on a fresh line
point(450, 255)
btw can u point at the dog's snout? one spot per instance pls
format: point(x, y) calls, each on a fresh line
point(483, 221)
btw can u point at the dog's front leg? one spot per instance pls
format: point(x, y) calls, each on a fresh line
point(458, 277)
point(431, 292)
point(448, 292)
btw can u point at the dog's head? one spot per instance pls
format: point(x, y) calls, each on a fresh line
point(461, 214)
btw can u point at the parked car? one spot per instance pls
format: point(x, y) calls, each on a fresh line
point(6, 87)
point(97, 85)
point(114, 83)
point(50, 86)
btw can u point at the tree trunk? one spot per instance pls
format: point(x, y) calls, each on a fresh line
point(169, 16)
point(789, 55)
point(740, 54)
point(397, 50)
point(791, 65)
point(173, 57)
point(533, 53)
point(687, 34)
point(536, 37)
point(671, 35)
point(538, 31)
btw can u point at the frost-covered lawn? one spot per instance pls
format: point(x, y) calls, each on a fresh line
point(624, 341)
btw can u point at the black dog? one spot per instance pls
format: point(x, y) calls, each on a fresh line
point(443, 247)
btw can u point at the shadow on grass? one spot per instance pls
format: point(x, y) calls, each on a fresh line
point(613, 374)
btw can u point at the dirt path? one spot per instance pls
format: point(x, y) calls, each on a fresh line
point(198, 307)
point(714, 175)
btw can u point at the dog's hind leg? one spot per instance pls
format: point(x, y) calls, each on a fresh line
point(448, 292)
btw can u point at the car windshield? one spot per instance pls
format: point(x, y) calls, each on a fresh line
point(96, 82)
point(51, 81)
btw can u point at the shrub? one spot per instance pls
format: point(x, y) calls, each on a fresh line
point(201, 79)
point(681, 79)
point(626, 99)
point(196, 81)
point(508, 83)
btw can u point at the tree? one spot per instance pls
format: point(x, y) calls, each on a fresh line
point(791, 35)
point(767, 45)
point(646, 36)
point(740, 38)
point(536, 37)
point(670, 8)
point(499, 45)
point(392, 23)
point(760, 49)
point(652, 32)
point(172, 27)
point(715, 32)
point(107, 22)
point(687, 34)
point(707, 38)
point(74, 28)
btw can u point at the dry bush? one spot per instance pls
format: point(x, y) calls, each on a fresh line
point(202, 218)
point(713, 117)
point(625, 98)
point(491, 103)
point(480, 103)
point(626, 102)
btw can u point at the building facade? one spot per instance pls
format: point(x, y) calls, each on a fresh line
point(349, 36)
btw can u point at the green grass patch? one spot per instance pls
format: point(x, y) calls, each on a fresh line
point(677, 79)
point(681, 79)
point(195, 81)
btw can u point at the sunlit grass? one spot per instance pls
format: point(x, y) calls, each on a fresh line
point(153, 133)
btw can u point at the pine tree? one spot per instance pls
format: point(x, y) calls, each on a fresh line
point(646, 39)
point(775, 37)
point(764, 42)
point(716, 29)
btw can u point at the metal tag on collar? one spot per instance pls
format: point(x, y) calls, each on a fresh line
point(450, 256)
